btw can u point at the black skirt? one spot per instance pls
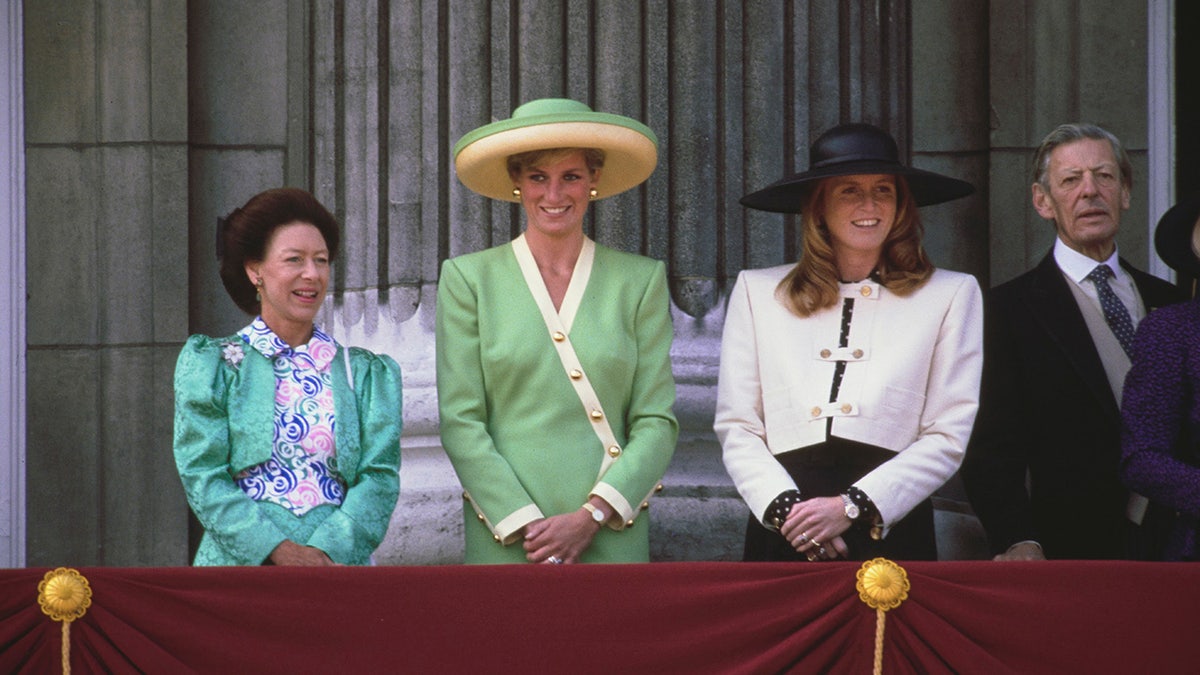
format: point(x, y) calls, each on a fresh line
point(827, 470)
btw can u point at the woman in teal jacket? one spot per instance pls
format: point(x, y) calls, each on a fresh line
point(287, 443)
point(553, 360)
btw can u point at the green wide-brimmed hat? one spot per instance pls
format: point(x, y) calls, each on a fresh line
point(630, 147)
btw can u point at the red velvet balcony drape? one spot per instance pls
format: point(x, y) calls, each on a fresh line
point(965, 617)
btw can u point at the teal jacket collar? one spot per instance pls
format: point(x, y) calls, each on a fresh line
point(250, 403)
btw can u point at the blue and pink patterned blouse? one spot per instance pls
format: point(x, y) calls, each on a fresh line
point(302, 472)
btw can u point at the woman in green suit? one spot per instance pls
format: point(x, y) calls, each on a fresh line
point(553, 367)
point(287, 443)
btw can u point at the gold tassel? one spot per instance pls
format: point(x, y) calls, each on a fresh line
point(882, 585)
point(64, 595)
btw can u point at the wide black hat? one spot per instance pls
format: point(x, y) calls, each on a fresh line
point(851, 149)
point(1175, 238)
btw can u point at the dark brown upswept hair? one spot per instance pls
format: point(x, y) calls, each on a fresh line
point(593, 157)
point(812, 285)
point(245, 232)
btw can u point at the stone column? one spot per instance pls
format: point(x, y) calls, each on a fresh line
point(106, 156)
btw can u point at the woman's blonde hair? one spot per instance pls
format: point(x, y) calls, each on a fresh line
point(812, 285)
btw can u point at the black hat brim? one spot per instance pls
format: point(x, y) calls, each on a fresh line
point(1173, 237)
point(789, 194)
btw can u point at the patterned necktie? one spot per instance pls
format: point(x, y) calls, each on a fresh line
point(1114, 310)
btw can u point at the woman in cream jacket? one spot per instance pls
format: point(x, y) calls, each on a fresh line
point(849, 381)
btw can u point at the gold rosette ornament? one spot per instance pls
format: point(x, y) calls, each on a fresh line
point(64, 595)
point(882, 585)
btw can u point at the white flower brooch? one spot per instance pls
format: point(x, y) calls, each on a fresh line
point(233, 354)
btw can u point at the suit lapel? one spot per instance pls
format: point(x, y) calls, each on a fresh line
point(1054, 307)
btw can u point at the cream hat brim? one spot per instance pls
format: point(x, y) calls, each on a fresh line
point(630, 148)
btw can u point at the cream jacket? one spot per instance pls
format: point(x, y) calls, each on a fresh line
point(911, 384)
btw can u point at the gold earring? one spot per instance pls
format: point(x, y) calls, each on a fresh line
point(593, 194)
point(258, 289)
point(517, 192)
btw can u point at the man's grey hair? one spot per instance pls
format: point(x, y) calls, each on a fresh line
point(1076, 131)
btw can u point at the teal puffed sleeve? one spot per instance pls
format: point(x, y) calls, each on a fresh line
point(203, 453)
point(368, 456)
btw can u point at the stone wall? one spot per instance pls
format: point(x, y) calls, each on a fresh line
point(107, 257)
point(1052, 63)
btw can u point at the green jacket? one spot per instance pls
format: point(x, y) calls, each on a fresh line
point(513, 426)
point(224, 422)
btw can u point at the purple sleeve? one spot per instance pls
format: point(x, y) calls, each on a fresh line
point(1159, 406)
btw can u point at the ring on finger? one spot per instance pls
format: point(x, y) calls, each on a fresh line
point(816, 544)
point(554, 560)
point(821, 552)
point(803, 539)
point(812, 557)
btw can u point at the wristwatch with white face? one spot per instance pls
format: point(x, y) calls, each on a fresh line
point(597, 514)
point(851, 508)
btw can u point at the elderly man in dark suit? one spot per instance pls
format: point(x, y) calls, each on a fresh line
point(1041, 467)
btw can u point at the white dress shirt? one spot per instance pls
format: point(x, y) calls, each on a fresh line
point(1076, 266)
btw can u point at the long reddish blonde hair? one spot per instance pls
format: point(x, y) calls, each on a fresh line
point(812, 285)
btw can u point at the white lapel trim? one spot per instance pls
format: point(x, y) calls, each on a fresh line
point(579, 280)
point(557, 324)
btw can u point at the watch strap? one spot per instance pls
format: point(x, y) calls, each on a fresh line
point(597, 514)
